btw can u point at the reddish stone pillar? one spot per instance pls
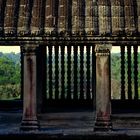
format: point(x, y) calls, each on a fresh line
point(103, 88)
point(29, 118)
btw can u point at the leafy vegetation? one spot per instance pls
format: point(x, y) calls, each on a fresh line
point(9, 76)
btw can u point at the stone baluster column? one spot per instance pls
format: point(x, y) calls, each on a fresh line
point(103, 88)
point(29, 118)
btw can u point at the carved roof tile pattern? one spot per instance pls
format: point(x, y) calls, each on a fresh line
point(89, 17)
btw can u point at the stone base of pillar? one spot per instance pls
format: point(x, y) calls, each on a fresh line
point(29, 125)
point(103, 125)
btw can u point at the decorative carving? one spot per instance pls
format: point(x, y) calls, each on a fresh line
point(101, 17)
point(29, 49)
point(103, 49)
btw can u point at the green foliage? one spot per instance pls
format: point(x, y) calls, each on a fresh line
point(9, 91)
point(9, 76)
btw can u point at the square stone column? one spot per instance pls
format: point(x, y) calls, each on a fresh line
point(29, 118)
point(103, 88)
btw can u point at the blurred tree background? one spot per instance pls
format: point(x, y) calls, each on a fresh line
point(9, 76)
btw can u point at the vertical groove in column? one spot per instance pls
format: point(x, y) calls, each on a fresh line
point(69, 16)
point(81, 15)
point(135, 5)
point(16, 14)
point(2, 11)
point(56, 72)
point(38, 16)
point(93, 74)
point(138, 14)
point(122, 72)
point(42, 22)
point(129, 73)
point(55, 9)
point(81, 72)
point(88, 71)
point(69, 72)
point(95, 17)
point(50, 71)
point(135, 72)
point(75, 72)
point(62, 72)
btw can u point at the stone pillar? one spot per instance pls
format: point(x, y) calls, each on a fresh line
point(29, 118)
point(103, 88)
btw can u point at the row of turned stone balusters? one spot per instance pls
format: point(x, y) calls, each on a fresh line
point(74, 65)
point(129, 72)
point(123, 71)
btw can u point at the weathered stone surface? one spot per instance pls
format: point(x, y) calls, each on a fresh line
point(102, 17)
point(103, 91)
point(24, 17)
point(75, 15)
point(9, 19)
point(29, 118)
point(88, 16)
point(36, 23)
point(138, 14)
point(49, 19)
point(129, 10)
point(63, 14)
point(118, 21)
